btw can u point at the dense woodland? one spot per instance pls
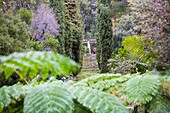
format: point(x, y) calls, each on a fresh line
point(43, 55)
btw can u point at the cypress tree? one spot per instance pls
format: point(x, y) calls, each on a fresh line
point(71, 33)
point(104, 35)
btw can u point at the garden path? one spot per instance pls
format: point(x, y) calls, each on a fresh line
point(90, 66)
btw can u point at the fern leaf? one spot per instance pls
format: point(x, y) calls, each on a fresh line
point(107, 84)
point(111, 83)
point(33, 62)
point(1, 107)
point(5, 98)
point(79, 108)
point(98, 101)
point(12, 94)
point(159, 105)
point(141, 89)
point(96, 78)
point(135, 45)
point(14, 108)
point(48, 98)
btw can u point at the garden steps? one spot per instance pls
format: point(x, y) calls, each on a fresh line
point(90, 66)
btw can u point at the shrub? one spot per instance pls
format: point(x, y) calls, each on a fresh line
point(135, 56)
point(13, 35)
point(25, 15)
point(49, 44)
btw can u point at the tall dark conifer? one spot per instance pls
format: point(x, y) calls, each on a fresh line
point(71, 33)
point(104, 35)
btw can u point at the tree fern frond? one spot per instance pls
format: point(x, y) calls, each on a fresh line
point(141, 89)
point(59, 97)
point(79, 108)
point(14, 108)
point(134, 44)
point(48, 98)
point(111, 83)
point(33, 62)
point(12, 94)
point(98, 101)
point(96, 78)
point(159, 105)
point(107, 84)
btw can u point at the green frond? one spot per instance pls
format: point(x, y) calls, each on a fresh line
point(79, 108)
point(107, 84)
point(135, 45)
point(111, 83)
point(58, 97)
point(97, 101)
point(12, 94)
point(35, 62)
point(96, 78)
point(48, 98)
point(159, 105)
point(14, 108)
point(142, 88)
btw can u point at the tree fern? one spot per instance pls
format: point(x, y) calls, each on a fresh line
point(134, 44)
point(97, 101)
point(37, 62)
point(137, 89)
point(106, 84)
point(142, 88)
point(137, 48)
point(159, 105)
point(62, 97)
point(12, 94)
point(96, 78)
point(111, 83)
point(79, 108)
point(48, 98)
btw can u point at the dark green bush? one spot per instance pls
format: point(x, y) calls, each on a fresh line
point(13, 35)
point(48, 44)
point(25, 15)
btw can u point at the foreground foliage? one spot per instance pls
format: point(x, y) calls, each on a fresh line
point(59, 97)
point(30, 64)
point(146, 89)
point(91, 94)
point(53, 95)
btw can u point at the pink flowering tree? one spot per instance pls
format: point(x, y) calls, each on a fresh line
point(44, 22)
